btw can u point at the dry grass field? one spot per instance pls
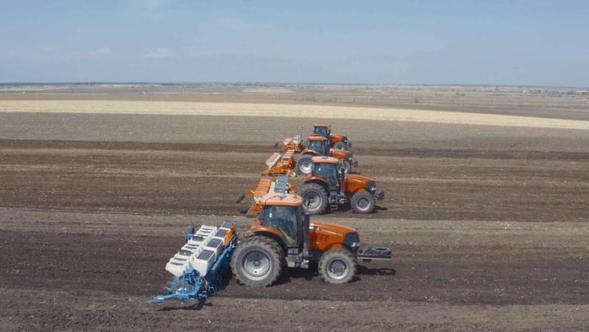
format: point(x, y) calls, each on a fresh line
point(485, 209)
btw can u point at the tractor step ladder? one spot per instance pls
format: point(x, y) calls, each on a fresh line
point(333, 203)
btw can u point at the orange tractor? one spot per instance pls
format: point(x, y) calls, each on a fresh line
point(339, 142)
point(329, 186)
point(283, 236)
point(320, 146)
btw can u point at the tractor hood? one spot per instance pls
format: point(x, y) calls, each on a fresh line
point(324, 236)
point(355, 182)
point(340, 154)
point(338, 138)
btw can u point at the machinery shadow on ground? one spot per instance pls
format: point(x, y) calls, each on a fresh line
point(191, 306)
point(364, 270)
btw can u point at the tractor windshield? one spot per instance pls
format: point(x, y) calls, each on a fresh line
point(284, 219)
point(318, 147)
point(321, 131)
point(328, 172)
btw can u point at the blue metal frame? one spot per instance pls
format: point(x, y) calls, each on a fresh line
point(193, 286)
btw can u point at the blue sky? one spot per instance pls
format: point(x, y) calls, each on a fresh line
point(402, 42)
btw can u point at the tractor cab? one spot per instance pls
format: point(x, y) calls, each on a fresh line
point(338, 142)
point(329, 185)
point(282, 213)
point(328, 169)
point(318, 144)
point(322, 130)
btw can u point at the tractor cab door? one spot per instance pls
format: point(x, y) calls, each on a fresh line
point(329, 173)
point(286, 220)
point(318, 146)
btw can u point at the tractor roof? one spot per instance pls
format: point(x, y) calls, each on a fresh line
point(317, 138)
point(281, 199)
point(325, 160)
point(321, 125)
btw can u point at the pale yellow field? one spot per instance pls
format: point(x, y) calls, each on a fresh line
point(284, 110)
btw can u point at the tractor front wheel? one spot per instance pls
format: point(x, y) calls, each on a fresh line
point(257, 261)
point(304, 165)
point(363, 202)
point(315, 198)
point(337, 266)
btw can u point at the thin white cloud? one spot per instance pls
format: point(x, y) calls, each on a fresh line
point(49, 49)
point(100, 51)
point(233, 24)
point(159, 53)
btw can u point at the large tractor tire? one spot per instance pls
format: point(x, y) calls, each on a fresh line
point(363, 202)
point(258, 261)
point(315, 198)
point(340, 146)
point(337, 266)
point(304, 165)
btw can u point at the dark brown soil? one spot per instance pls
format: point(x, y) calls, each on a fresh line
point(484, 236)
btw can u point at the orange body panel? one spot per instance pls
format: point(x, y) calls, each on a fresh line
point(311, 178)
point(339, 154)
point(322, 237)
point(334, 138)
point(283, 164)
point(256, 228)
point(355, 182)
point(260, 194)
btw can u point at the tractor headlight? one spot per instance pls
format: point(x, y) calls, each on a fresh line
point(352, 241)
point(371, 186)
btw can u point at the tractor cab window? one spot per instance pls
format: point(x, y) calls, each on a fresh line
point(284, 219)
point(317, 146)
point(328, 172)
point(321, 131)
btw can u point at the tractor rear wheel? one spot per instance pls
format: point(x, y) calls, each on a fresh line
point(363, 202)
point(257, 261)
point(304, 165)
point(337, 266)
point(315, 198)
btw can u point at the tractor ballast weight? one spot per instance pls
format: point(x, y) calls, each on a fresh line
point(329, 186)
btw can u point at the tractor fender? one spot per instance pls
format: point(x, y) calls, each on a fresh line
point(257, 229)
point(309, 152)
point(315, 179)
